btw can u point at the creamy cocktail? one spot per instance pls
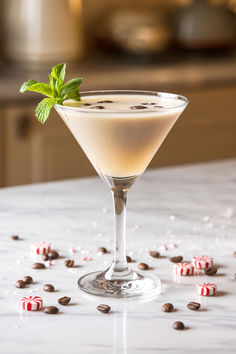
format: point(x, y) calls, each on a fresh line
point(120, 133)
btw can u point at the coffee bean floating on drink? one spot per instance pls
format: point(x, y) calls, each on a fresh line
point(103, 308)
point(51, 310)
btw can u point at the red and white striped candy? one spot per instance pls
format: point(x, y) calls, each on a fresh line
point(183, 269)
point(31, 303)
point(206, 289)
point(40, 247)
point(202, 262)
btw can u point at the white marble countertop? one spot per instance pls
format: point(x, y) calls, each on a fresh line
point(192, 206)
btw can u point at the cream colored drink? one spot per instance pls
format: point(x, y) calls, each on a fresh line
point(120, 134)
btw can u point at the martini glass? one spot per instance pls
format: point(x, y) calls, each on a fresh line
point(120, 132)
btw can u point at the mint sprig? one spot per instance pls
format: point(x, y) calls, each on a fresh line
point(56, 91)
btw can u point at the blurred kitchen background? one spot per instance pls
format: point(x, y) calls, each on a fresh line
point(182, 46)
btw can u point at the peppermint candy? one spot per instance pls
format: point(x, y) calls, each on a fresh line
point(202, 262)
point(31, 303)
point(183, 269)
point(40, 247)
point(87, 259)
point(206, 289)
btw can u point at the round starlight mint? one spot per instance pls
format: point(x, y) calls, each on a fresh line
point(202, 262)
point(31, 303)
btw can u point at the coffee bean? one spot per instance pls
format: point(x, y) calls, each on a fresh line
point(102, 250)
point(97, 107)
point(154, 254)
point(87, 104)
point(45, 257)
point(106, 101)
point(148, 104)
point(51, 310)
point(158, 106)
point(49, 288)
point(69, 263)
point(38, 266)
point(210, 271)
point(143, 266)
point(128, 259)
point(28, 280)
point(20, 284)
point(178, 325)
point(64, 300)
point(15, 237)
point(176, 259)
point(103, 308)
point(235, 276)
point(193, 306)
point(234, 254)
point(53, 255)
point(138, 107)
point(167, 307)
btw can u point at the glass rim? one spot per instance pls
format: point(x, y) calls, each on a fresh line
point(159, 94)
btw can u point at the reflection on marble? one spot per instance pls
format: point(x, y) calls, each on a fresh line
point(192, 207)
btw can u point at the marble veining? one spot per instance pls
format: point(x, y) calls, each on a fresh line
point(191, 206)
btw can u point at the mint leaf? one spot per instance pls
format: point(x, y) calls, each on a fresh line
point(25, 86)
point(40, 87)
point(43, 109)
point(55, 91)
point(59, 71)
point(70, 87)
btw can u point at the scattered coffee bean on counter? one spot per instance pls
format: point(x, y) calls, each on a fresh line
point(102, 250)
point(143, 266)
point(176, 259)
point(28, 280)
point(38, 266)
point(178, 325)
point(64, 300)
point(210, 271)
point(235, 276)
point(69, 263)
point(53, 255)
point(193, 306)
point(103, 308)
point(234, 254)
point(51, 310)
point(154, 254)
point(128, 259)
point(49, 288)
point(15, 237)
point(20, 284)
point(168, 307)
point(45, 257)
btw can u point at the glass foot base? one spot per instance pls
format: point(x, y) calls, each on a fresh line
point(140, 285)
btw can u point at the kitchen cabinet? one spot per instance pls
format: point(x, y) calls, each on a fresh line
point(31, 152)
point(35, 153)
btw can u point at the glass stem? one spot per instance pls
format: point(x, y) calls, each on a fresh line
point(119, 202)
